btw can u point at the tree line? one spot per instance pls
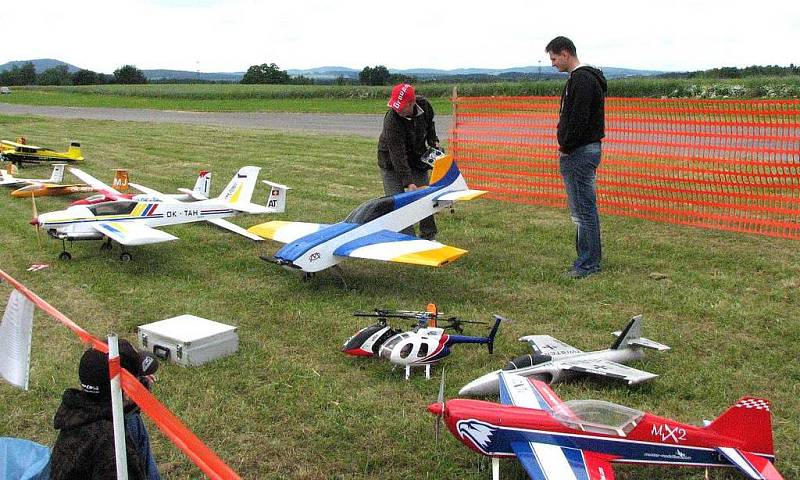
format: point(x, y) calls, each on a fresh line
point(60, 75)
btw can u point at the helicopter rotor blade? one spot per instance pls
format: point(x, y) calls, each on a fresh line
point(36, 217)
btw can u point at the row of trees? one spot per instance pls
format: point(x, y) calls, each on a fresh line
point(272, 74)
point(60, 75)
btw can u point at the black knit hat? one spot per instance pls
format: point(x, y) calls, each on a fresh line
point(93, 368)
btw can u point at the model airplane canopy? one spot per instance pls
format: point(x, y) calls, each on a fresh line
point(579, 440)
point(371, 231)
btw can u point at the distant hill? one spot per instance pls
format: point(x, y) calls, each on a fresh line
point(40, 64)
point(330, 73)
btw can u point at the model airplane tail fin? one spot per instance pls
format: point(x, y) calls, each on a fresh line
point(120, 182)
point(58, 173)
point(203, 184)
point(493, 332)
point(631, 337)
point(276, 200)
point(240, 188)
point(74, 151)
point(748, 420)
point(445, 172)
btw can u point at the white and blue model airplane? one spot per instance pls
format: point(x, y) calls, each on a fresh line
point(371, 231)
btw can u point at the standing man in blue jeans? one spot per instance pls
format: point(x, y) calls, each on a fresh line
point(581, 126)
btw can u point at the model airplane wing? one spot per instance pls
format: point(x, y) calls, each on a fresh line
point(285, 232)
point(527, 392)
point(132, 233)
point(149, 191)
point(91, 181)
point(397, 247)
point(755, 467)
point(222, 223)
point(545, 462)
point(607, 368)
point(547, 345)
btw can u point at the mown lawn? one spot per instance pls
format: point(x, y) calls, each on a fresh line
point(290, 405)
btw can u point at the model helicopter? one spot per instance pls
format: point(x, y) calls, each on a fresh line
point(554, 361)
point(20, 152)
point(425, 344)
point(581, 439)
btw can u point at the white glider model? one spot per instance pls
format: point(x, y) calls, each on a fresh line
point(130, 222)
point(7, 178)
point(371, 231)
point(554, 361)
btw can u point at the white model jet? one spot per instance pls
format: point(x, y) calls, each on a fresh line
point(372, 230)
point(7, 178)
point(130, 222)
point(554, 361)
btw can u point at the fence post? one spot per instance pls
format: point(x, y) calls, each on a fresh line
point(114, 370)
point(454, 128)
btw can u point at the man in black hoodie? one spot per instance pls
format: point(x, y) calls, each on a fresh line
point(84, 449)
point(581, 126)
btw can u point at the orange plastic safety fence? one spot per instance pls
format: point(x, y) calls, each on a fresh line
point(723, 164)
point(169, 424)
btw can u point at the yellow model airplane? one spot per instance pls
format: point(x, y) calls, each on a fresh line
point(20, 152)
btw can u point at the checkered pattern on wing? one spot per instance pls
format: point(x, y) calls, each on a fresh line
point(757, 403)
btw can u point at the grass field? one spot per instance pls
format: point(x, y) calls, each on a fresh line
point(290, 405)
point(364, 99)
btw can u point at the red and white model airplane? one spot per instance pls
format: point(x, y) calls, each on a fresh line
point(580, 439)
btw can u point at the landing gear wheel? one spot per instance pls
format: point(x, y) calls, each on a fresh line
point(306, 276)
point(105, 247)
point(65, 256)
point(125, 257)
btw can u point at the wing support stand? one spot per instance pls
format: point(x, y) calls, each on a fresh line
point(495, 468)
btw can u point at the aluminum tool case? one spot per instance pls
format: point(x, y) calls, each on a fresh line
point(188, 340)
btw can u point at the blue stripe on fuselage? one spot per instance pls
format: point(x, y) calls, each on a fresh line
point(293, 251)
point(403, 199)
point(383, 236)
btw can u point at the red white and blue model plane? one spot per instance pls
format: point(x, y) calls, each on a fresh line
point(424, 345)
point(580, 439)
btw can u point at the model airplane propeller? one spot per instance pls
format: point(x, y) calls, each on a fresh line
point(371, 231)
point(580, 439)
point(555, 361)
point(425, 344)
point(130, 222)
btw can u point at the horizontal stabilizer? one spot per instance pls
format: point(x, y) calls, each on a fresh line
point(193, 194)
point(285, 232)
point(148, 191)
point(647, 343)
point(459, 195)
point(390, 246)
point(248, 207)
point(750, 464)
point(547, 345)
point(608, 369)
point(222, 223)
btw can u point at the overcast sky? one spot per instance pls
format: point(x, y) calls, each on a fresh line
point(227, 36)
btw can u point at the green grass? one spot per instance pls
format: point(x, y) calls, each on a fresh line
point(364, 99)
point(290, 405)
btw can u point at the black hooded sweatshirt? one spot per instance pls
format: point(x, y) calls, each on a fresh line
point(582, 115)
point(84, 449)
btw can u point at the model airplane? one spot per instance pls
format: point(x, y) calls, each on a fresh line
point(51, 189)
point(554, 361)
point(425, 344)
point(8, 178)
point(202, 188)
point(20, 152)
point(580, 439)
point(371, 230)
point(130, 223)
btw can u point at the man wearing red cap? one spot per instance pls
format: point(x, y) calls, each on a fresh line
point(408, 132)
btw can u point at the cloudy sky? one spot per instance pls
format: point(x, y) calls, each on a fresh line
point(231, 35)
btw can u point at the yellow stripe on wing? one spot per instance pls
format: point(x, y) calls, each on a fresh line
point(269, 229)
point(432, 258)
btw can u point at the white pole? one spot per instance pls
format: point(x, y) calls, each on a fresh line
point(114, 370)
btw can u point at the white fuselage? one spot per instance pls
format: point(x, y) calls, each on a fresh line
point(550, 371)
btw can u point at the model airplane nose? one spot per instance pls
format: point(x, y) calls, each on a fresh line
point(436, 408)
point(35, 221)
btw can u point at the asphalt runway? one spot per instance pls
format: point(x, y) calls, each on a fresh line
point(362, 125)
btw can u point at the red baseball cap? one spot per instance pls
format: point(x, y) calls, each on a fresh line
point(402, 95)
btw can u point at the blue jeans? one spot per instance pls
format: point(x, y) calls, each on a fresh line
point(578, 172)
